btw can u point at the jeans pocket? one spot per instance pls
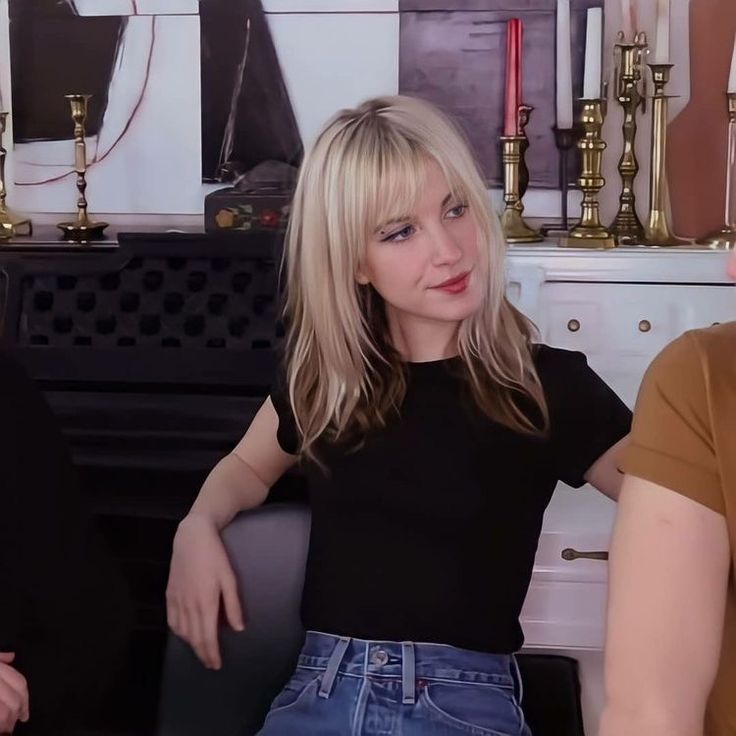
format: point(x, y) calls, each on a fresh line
point(480, 710)
point(303, 683)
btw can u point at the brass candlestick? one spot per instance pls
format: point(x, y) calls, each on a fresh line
point(9, 224)
point(589, 233)
point(631, 94)
point(82, 229)
point(512, 218)
point(516, 176)
point(725, 238)
point(658, 231)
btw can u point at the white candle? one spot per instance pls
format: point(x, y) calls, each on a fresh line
point(627, 24)
point(564, 66)
point(593, 54)
point(732, 77)
point(662, 45)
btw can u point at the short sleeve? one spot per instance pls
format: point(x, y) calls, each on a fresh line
point(672, 438)
point(287, 434)
point(586, 415)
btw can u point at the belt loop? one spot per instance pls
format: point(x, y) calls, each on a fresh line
point(408, 673)
point(333, 664)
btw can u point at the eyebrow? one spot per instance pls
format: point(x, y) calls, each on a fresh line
point(408, 218)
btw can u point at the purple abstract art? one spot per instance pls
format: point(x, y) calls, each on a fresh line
point(453, 52)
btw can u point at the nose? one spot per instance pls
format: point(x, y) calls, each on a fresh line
point(446, 250)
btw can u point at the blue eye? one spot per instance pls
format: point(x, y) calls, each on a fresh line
point(400, 235)
point(457, 211)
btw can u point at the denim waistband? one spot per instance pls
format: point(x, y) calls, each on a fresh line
point(408, 661)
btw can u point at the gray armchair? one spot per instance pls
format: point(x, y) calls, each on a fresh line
point(268, 550)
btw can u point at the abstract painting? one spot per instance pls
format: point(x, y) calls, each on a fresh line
point(183, 92)
point(453, 52)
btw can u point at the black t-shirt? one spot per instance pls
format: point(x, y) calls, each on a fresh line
point(428, 531)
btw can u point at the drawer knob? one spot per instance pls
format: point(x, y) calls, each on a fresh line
point(715, 324)
point(573, 325)
point(571, 554)
point(645, 325)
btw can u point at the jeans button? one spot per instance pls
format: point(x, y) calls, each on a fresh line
point(379, 658)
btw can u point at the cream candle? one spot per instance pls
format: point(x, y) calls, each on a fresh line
point(662, 42)
point(593, 54)
point(564, 66)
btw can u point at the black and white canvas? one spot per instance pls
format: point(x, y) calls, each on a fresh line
point(183, 92)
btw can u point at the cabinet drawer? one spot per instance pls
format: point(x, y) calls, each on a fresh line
point(561, 615)
point(628, 319)
point(566, 603)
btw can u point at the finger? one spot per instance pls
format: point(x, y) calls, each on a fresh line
point(7, 657)
point(7, 720)
point(231, 600)
point(184, 629)
point(15, 680)
point(172, 613)
point(207, 616)
point(198, 636)
point(191, 632)
point(11, 703)
point(26, 711)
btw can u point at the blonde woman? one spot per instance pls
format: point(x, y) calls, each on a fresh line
point(433, 432)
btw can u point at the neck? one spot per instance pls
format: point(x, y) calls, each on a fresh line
point(419, 340)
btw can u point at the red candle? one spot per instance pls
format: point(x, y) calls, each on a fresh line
point(514, 40)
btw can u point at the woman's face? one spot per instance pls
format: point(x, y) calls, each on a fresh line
point(427, 265)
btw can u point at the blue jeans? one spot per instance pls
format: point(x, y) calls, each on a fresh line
point(353, 687)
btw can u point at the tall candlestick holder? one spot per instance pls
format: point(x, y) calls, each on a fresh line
point(589, 232)
point(9, 224)
point(658, 230)
point(82, 229)
point(515, 229)
point(725, 238)
point(630, 91)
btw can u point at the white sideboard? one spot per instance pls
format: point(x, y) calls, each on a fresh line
point(620, 308)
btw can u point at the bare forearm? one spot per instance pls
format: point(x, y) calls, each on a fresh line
point(231, 487)
point(646, 720)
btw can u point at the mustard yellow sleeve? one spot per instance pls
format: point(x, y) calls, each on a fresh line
point(672, 437)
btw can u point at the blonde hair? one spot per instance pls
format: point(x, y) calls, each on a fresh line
point(343, 375)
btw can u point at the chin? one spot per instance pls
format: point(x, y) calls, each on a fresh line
point(456, 312)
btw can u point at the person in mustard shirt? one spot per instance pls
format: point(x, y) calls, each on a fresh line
point(671, 644)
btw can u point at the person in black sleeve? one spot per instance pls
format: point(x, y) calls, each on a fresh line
point(433, 431)
point(65, 613)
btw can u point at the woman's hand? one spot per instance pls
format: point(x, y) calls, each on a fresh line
point(199, 577)
point(13, 695)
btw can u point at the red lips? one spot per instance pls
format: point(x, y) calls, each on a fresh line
point(456, 284)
